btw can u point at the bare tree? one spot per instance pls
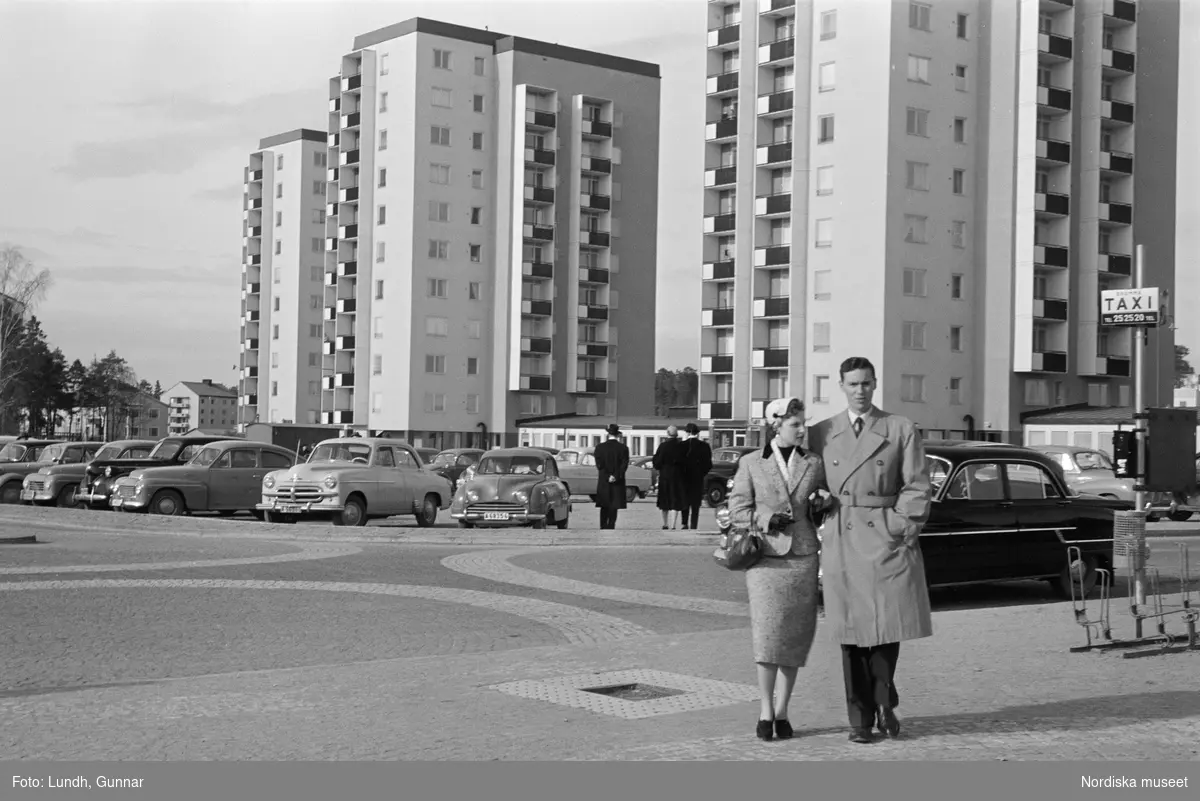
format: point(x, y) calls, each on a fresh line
point(22, 286)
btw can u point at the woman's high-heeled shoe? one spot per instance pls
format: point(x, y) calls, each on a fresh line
point(766, 730)
point(783, 729)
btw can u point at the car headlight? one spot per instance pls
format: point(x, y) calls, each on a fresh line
point(330, 481)
point(520, 496)
point(472, 496)
point(139, 488)
point(108, 472)
point(45, 471)
point(269, 482)
point(729, 484)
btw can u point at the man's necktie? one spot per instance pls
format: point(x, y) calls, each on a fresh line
point(857, 426)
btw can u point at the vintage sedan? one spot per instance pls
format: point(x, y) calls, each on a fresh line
point(513, 486)
point(1089, 471)
point(224, 476)
point(724, 465)
point(451, 463)
point(580, 475)
point(102, 474)
point(20, 458)
point(58, 484)
point(350, 480)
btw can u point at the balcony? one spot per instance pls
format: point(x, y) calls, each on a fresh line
point(777, 153)
point(1053, 100)
point(538, 233)
point(347, 269)
point(777, 52)
point(348, 157)
point(776, 104)
point(1115, 112)
point(345, 343)
point(340, 417)
point(777, 306)
point(1119, 12)
point(348, 232)
point(773, 255)
point(1053, 151)
point(721, 176)
point(725, 38)
point(1116, 264)
point(721, 130)
point(1053, 47)
point(250, 372)
point(1054, 309)
point(537, 308)
point(331, 244)
point(594, 276)
point(347, 306)
point(1116, 213)
point(779, 205)
point(1117, 63)
point(254, 204)
point(328, 347)
point(598, 202)
point(1051, 256)
point(1113, 365)
point(537, 383)
point(778, 8)
point(351, 120)
point(343, 380)
point(593, 312)
point(723, 83)
point(592, 350)
point(348, 195)
point(592, 164)
point(331, 175)
point(540, 119)
point(596, 239)
point(535, 344)
point(253, 175)
point(538, 195)
point(352, 83)
point(539, 156)
point(252, 315)
point(253, 230)
point(335, 105)
point(331, 210)
point(251, 343)
point(719, 317)
point(770, 357)
point(253, 288)
point(1049, 361)
point(716, 411)
point(591, 386)
point(717, 363)
point(719, 223)
point(330, 313)
point(254, 260)
point(537, 269)
point(596, 129)
point(250, 400)
point(1052, 204)
point(1115, 162)
point(718, 270)
point(333, 140)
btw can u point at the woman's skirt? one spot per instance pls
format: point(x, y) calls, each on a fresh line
point(783, 608)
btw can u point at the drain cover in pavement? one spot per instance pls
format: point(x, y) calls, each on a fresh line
point(632, 694)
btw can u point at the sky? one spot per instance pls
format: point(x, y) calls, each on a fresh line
point(131, 123)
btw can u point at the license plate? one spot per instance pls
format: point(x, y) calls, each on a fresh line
point(27, 495)
point(495, 515)
point(289, 508)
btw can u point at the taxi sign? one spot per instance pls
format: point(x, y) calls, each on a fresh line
point(1129, 306)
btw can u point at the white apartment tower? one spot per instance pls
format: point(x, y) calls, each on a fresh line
point(944, 187)
point(283, 256)
point(490, 234)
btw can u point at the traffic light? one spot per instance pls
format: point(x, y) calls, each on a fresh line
point(1125, 461)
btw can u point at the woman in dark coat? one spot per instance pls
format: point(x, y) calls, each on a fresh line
point(672, 490)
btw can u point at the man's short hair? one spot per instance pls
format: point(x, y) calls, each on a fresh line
point(855, 363)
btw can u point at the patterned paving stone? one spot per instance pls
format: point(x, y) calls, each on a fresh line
point(306, 552)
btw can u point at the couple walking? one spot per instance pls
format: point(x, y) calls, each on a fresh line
point(682, 465)
point(873, 466)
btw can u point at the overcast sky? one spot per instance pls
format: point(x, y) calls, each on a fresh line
point(128, 125)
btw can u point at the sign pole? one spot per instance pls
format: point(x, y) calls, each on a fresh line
point(1139, 402)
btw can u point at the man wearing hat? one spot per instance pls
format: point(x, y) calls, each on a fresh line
point(612, 460)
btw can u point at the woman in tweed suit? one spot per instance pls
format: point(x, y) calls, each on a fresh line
point(771, 489)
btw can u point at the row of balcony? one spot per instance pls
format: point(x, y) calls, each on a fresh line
point(585, 386)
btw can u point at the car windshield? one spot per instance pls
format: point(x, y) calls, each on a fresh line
point(570, 457)
point(12, 452)
point(52, 452)
point(444, 460)
point(107, 452)
point(510, 466)
point(166, 449)
point(1092, 460)
point(205, 457)
point(341, 452)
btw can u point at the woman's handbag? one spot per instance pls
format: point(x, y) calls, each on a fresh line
point(740, 548)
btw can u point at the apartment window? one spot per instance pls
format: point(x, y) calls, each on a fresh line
point(275, 332)
point(437, 287)
point(824, 128)
point(958, 180)
point(474, 290)
point(824, 180)
point(278, 219)
point(383, 139)
point(827, 76)
point(822, 281)
point(274, 363)
point(278, 246)
point(820, 389)
point(383, 64)
point(914, 282)
point(777, 283)
point(477, 140)
point(314, 301)
point(917, 122)
point(917, 175)
point(781, 130)
point(912, 388)
point(958, 233)
point(956, 286)
point(479, 65)
point(955, 391)
point(378, 289)
point(476, 252)
point(313, 388)
point(785, 79)
point(477, 179)
point(1045, 23)
point(435, 401)
point(382, 215)
point(1036, 392)
point(828, 25)
point(960, 130)
point(312, 359)
point(439, 135)
point(1040, 344)
point(918, 16)
point(277, 274)
point(380, 251)
point(820, 337)
point(439, 211)
point(439, 249)
point(439, 174)
point(913, 336)
point(318, 187)
point(956, 338)
point(278, 190)
point(472, 404)
point(315, 244)
point(276, 303)
point(914, 228)
point(383, 97)
point(960, 77)
point(442, 98)
point(441, 59)
point(279, 163)
point(777, 333)
point(960, 26)
point(274, 388)
point(1105, 241)
point(318, 159)
point(477, 104)
point(476, 215)
point(474, 329)
point(377, 364)
point(435, 364)
point(377, 401)
point(314, 331)
point(382, 177)
point(825, 232)
point(918, 69)
point(1041, 181)
point(377, 327)
point(318, 216)
point(472, 365)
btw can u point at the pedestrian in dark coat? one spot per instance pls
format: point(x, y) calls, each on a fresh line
point(668, 461)
point(697, 461)
point(612, 460)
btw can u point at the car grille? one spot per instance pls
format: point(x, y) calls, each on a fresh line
point(496, 506)
point(125, 491)
point(35, 484)
point(299, 492)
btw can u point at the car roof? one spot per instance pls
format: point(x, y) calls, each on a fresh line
point(1064, 449)
point(129, 443)
point(462, 450)
point(369, 441)
point(249, 443)
point(38, 441)
point(538, 452)
point(742, 448)
point(991, 450)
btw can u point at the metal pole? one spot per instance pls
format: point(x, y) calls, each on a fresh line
point(1139, 402)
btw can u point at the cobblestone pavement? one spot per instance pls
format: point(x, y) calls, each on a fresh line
point(200, 638)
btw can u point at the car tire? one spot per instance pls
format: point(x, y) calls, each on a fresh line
point(66, 497)
point(279, 517)
point(465, 524)
point(11, 492)
point(259, 514)
point(354, 513)
point(566, 521)
point(1062, 584)
point(168, 503)
point(1179, 515)
point(714, 495)
point(227, 512)
point(549, 518)
point(631, 494)
point(427, 514)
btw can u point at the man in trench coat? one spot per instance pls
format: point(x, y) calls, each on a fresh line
point(873, 572)
point(612, 460)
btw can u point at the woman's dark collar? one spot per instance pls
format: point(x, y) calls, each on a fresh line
point(766, 454)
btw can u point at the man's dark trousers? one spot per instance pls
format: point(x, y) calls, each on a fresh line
point(608, 517)
point(870, 681)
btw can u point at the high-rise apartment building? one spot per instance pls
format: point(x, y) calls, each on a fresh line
point(283, 278)
point(943, 187)
point(491, 234)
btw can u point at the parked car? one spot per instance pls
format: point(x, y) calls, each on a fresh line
point(22, 457)
point(724, 465)
point(580, 476)
point(224, 476)
point(101, 474)
point(647, 463)
point(427, 454)
point(59, 484)
point(1089, 471)
point(450, 463)
point(353, 479)
point(513, 486)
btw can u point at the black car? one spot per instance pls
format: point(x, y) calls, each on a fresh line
point(724, 465)
point(450, 463)
point(101, 474)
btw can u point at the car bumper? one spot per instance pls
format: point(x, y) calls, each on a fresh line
point(475, 516)
point(40, 496)
point(308, 507)
point(128, 503)
point(94, 498)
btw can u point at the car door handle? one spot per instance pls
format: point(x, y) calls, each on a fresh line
point(1004, 504)
point(1063, 502)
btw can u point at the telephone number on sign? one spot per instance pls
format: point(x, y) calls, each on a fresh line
point(1136, 317)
